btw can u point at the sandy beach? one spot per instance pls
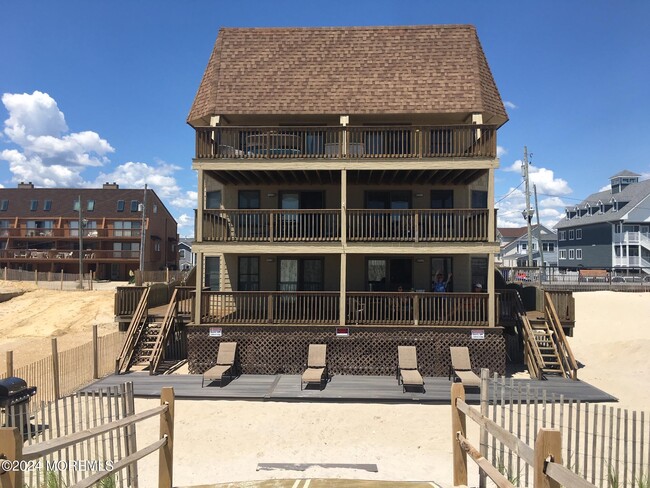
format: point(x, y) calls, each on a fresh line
point(220, 441)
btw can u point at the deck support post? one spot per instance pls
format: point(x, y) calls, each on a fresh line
point(342, 288)
point(491, 292)
point(198, 298)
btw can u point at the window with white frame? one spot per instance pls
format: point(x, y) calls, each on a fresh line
point(572, 253)
point(578, 234)
point(562, 254)
point(562, 236)
point(578, 253)
point(571, 234)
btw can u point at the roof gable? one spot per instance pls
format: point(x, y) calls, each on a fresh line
point(347, 70)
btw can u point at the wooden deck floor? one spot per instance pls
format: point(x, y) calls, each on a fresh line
point(371, 389)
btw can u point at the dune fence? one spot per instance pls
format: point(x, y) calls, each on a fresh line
point(63, 372)
point(598, 445)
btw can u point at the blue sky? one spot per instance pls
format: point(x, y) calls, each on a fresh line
point(94, 91)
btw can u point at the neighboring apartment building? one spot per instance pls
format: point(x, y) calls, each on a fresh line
point(186, 258)
point(39, 230)
point(337, 166)
point(609, 229)
point(514, 246)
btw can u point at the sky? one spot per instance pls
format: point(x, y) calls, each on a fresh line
point(96, 91)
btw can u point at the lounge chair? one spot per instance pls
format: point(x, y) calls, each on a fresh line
point(461, 367)
point(407, 368)
point(225, 364)
point(316, 371)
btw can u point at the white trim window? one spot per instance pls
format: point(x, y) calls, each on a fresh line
point(578, 234)
point(562, 254)
point(562, 236)
point(571, 253)
point(578, 253)
point(571, 234)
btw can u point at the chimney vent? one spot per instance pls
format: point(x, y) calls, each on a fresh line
point(22, 184)
point(111, 186)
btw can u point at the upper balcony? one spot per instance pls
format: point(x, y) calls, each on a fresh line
point(351, 142)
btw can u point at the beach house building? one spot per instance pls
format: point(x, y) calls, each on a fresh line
point(609, 229)
point(514, 246)
point(346, 196)
point(54, 230)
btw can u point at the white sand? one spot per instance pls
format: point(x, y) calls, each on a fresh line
point(219, 441)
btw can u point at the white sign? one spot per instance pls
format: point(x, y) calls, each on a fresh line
point(215, 331)
point(478, 334)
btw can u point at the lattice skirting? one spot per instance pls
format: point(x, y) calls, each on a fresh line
point(367, 351)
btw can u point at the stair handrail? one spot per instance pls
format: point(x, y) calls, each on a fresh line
point(165, 327)
point(564, 349)
point(133, 332)
point(531, 348)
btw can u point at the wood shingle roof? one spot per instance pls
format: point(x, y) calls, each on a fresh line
point(430, 69)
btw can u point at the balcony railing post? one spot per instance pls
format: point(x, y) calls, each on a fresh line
point(269, 308)
point(272, 217)
point(416, 223)
point(416, 309)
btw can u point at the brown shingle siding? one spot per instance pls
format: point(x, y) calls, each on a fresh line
point(349, 70)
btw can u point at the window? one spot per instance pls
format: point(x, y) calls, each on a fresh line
point(212, 273)
point(134, 205)
point(181, 253)
point(156, 245)
point(479, 199)
point(562, 236)
point(120, 205)
point(571, 253)
point(33, 205)
point(562, 254)
point(442, 198)
point(571, 234)
point(578, 253)
point(47, 205)
point(155, 208)
point(304, 274)
point(213, 200)
point(126, 228)
point(4, 205)
point(249, 273)
point(75, 206)
point(524, 246)
point(578, 234)
point(548, 246)
point(249, 199)
point(91, 205)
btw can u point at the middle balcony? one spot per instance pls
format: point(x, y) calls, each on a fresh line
point(358, 225)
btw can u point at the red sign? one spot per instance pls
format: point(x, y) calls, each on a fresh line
point(342, 332)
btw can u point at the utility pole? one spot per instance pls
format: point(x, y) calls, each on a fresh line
point(142, 229)
point(81, 247)
point(528, 213)
point(539, 234)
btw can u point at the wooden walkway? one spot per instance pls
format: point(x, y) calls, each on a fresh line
point(357, 389)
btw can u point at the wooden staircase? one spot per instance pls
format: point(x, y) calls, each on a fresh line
point(546, 349)
point(146, 338)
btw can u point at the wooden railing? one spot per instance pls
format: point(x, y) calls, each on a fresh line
point(564, 304)
point(354, 142)
point(133, 333)
point(545, 458)
point(68, 233)
point(569, 363)
point(268, 307)
point(272, 225)
point(408, 308)
point(418, 225)
point(58, 255)
point(12, 448)
point(185, 298)
point(168, 322)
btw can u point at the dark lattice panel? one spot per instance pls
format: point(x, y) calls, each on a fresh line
point(367, 351)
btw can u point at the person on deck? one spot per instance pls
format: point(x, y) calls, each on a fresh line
point(440, 286)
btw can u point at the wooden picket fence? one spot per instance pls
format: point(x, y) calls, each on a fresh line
point(607, 446)
point(49, 280)
point(67, 416)
point(63, 372)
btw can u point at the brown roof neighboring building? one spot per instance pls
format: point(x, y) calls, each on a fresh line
point(348, 70)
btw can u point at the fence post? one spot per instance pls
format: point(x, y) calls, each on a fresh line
point(483, 446)
point(61, 279)
point(36, 276)
point(547, 444)
point(458, 425)
point(95, 353)
point(11, 446)
point(55, 369)
point(166, 453)
point(5, 273)
point(10, 363)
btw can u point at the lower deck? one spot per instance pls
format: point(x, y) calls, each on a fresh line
point(341, 388)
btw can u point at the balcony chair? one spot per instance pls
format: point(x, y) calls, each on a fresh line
point(407, 368)
point(461, 368)
point(225, 365)
point(316, 371)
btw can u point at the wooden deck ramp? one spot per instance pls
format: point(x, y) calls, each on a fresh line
point(546, 349)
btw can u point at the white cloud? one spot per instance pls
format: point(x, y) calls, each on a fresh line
point(186, 199)
point(501, 151)
point(551, 202)
point(32, 115)
point(509, 105)
point(135, 174)
point(544, 178)
point(185, 225)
